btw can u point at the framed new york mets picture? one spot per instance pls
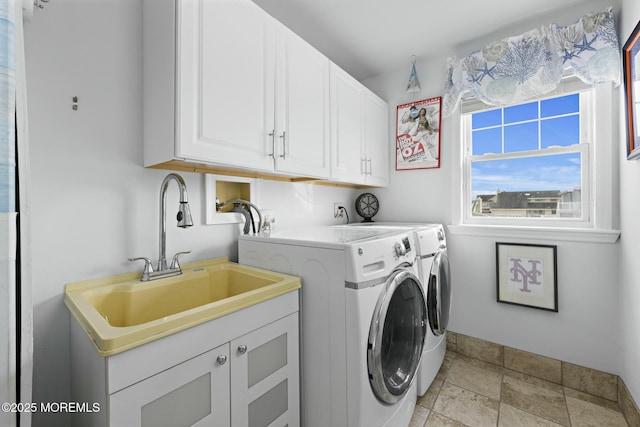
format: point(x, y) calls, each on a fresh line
point(527, 275)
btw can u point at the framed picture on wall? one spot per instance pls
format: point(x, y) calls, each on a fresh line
point(631, 70)
point(418, 134)
point(527, 275)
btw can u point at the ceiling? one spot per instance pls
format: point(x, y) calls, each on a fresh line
point(371, 37)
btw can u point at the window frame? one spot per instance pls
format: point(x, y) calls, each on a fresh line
point(603, 187)
point(584, 148)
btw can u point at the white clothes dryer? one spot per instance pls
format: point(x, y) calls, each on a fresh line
point(363, 320)
point(434, 273)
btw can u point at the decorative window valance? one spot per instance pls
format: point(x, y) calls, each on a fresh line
point(523, 67)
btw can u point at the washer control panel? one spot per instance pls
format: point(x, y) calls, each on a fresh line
point(402, 247)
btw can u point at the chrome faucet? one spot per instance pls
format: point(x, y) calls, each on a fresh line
point(237, 208)
point(184, 220)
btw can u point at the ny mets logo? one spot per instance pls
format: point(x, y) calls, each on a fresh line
point(520, 273)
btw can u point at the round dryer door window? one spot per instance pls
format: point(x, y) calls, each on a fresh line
point(396, 336)
point(439, 294)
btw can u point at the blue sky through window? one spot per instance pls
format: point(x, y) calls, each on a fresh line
point(527, 127)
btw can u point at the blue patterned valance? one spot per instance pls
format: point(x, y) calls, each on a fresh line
point(526, 66)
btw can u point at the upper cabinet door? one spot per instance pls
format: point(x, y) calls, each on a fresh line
point(376, 134)
point(347, 131)
point(302, 107)
point(226, 76)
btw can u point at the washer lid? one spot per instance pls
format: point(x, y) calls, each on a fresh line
point(396, 337)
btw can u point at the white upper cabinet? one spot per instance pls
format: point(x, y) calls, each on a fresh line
point(302, 139)
point(229, 88)
point(376, 140)
point(226, 83)
point(360, 132)
point(233, 87)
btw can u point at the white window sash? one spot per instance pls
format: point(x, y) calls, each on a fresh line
point(594, 215)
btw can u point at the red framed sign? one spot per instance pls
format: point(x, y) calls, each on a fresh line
point(418, 134)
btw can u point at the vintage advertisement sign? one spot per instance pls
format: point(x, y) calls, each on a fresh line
point(418, 134)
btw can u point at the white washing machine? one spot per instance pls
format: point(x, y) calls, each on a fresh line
point(363, 320)
point(434, 274)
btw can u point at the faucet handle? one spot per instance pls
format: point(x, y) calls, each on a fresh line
point(148, 269)
point(174, 262)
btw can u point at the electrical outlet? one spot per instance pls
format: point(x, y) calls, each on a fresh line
point(337, 211)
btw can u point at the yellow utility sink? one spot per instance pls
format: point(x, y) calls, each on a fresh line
point(121, 312)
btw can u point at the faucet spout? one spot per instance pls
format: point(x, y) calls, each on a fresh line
point(237, 203)
point(183, 217)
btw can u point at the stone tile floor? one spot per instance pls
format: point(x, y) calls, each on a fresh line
point(472, 393)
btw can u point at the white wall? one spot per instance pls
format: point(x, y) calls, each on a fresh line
point(629, 207)
point(585, 331)
point(93, 203)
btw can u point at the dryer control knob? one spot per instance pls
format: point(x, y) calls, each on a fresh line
point(400, 249)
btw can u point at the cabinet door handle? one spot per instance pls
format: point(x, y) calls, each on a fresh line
point(363, 166)
point(369, 172)
point(242, 349)
point(273, 143)
point(284, 144)
point(222, 359)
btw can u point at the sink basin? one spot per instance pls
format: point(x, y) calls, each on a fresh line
point(121, 312)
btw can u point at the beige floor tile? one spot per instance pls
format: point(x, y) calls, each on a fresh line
point(466, 406)
point(512, 417)
point(419, 418)
point(535, 381)
point(585, 414)
point(476, 379)
point(449, 357)
point(429, 398)
point(438, 420)
point(536, 400)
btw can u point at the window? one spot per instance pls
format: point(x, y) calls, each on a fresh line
point(530, 163)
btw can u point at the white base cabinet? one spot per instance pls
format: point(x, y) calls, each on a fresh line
point(247, 375)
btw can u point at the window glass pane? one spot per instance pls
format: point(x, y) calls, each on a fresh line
point(521, 137)
point(561, 131)
point(486, 119)
point(487, 141)
point(540, 186)
point(522, 112)
point(560, 105)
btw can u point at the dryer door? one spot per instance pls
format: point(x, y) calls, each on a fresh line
point(439, 294)
point(396, 336)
